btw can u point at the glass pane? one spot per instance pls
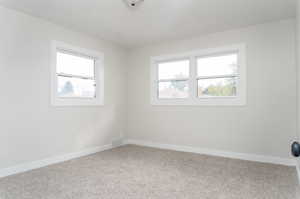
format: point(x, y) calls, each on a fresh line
point(75, 65)
point(173, 89)
point(76, 87)
point(217, 87)
point(217, 65)
point(174, 69)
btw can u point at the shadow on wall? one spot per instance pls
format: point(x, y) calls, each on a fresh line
point(103, 132)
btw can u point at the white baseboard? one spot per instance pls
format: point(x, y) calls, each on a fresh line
point(54, 160)
point(298, 170)
point(234, 155)
point(49, 161)
point(118, 142)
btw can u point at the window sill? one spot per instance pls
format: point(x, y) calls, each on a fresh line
point(200, 102)
point(77, 102)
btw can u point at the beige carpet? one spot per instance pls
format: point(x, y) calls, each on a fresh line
point(133, 172)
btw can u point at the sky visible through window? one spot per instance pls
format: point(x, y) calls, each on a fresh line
point(173, 70)
point(218, 65)
point(75, 65)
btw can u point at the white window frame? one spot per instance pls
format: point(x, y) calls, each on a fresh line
point(57, 46)
point(193, 99)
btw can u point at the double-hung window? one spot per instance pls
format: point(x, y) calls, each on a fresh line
point(77, 76)
point(204, 77)
point(217, 75)
point(173, 77)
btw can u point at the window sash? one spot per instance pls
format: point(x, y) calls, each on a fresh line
point(214, 55)
point(218, 96)
point(170, 81)
point(217, 76)
point(78, 97)
point(75, 76)
point(170, 61)
point(173, 79)
point(77, 54)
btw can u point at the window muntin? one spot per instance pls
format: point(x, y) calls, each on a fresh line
point(217, 75)
point(173, 79)
point(75, 76)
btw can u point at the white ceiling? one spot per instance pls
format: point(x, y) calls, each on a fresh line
point(155, 20)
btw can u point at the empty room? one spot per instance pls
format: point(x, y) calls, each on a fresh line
point(150, 99)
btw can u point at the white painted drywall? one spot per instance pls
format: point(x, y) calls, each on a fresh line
point(265, 126)
point(298, 71)
point(30, 128)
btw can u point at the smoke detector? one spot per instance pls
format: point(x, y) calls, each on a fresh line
point(133, 3)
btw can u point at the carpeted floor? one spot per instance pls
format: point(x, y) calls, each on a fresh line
point(132, 172)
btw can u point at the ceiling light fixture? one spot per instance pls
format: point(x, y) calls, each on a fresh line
point(133, 3)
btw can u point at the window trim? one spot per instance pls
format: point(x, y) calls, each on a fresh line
point(193, 99)
point(57, 46)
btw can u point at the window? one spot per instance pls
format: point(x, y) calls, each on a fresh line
point(77, 76)
point(173, 79)
point(217, 75)
point(204, 77)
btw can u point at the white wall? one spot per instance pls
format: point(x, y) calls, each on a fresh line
point(298, 69)
point(32, 129)
point(265, 126)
